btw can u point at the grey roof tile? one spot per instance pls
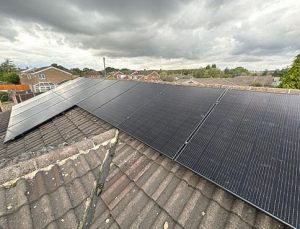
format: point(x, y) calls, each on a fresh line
point(71, 126)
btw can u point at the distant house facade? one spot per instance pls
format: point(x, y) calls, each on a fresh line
point(120, 75)
point(93, 74)
point(136, 75)
point(44, 79)
point(153, 76)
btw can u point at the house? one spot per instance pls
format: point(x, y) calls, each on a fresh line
point(153, 76)
point(136, 75)
point(120, 75)
point(93, 74)
point(54, 165)
point(45, 78)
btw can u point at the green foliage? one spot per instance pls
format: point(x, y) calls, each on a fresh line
point(265, 72)
point(8, 72)
point(110, 69)
point(256, 84)
point(79, 72)
point(291, 79)
point(280, 73)
point(4, 96)
point(238, 71)
point(168, 78)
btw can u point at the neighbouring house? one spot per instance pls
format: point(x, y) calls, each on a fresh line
point(93, 74)
point(120, 75)
point(153, 76)
point(136, 75)
point(45, 78)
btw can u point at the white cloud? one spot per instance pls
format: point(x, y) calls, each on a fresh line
point(165, 34)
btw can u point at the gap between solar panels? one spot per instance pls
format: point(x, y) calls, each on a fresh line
point(199, 125)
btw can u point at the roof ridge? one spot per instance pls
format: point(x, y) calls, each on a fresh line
point(275, 90)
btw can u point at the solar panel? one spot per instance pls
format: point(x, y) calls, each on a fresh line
point(105, 95)
point(37, 110)
point(169, 118)
point(95, 88)
point(36, 119)
point(249, 145)
point(120, 108)
point(19, 117)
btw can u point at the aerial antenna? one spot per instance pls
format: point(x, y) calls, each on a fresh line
point(104, 67)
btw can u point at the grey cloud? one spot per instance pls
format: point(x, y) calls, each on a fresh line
point(206, 30)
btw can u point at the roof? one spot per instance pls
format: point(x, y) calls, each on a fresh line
point(143, 189)
point(73, 125)
point(37, 70)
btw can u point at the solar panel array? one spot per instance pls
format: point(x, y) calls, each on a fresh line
point(248, 143)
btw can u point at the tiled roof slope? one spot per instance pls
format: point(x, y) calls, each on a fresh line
point(4, 119)
point(143, 190)
point(73, 125)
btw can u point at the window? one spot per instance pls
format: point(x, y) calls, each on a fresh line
point(43, 87)
point(42, 76)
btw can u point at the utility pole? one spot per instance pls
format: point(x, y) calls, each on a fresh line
point(104, 67)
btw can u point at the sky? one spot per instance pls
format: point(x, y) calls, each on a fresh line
point(156, 34)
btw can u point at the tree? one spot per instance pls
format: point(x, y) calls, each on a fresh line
point(4, 96)
point(265, 72)
point(7, 66)
point(214, 66)
point(291, 79)
point(8, 72)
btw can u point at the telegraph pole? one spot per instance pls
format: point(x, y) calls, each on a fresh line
point(104, 67)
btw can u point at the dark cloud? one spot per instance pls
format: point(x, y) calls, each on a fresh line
point(206, 30)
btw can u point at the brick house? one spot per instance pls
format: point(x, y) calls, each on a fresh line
point(93, 74)
point(45, 78)
point(136, 75)
point(154, 75)
point(120, 75)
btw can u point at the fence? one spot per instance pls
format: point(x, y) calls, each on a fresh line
point(14, 87)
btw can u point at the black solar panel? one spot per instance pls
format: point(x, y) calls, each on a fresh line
point(36, 119)
point(250, 146)
point(37, 110)
point(122, 107)
point(95, 88)
point(169, 118)
point(105, 95)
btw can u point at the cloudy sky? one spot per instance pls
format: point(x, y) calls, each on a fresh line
point(138, 34)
